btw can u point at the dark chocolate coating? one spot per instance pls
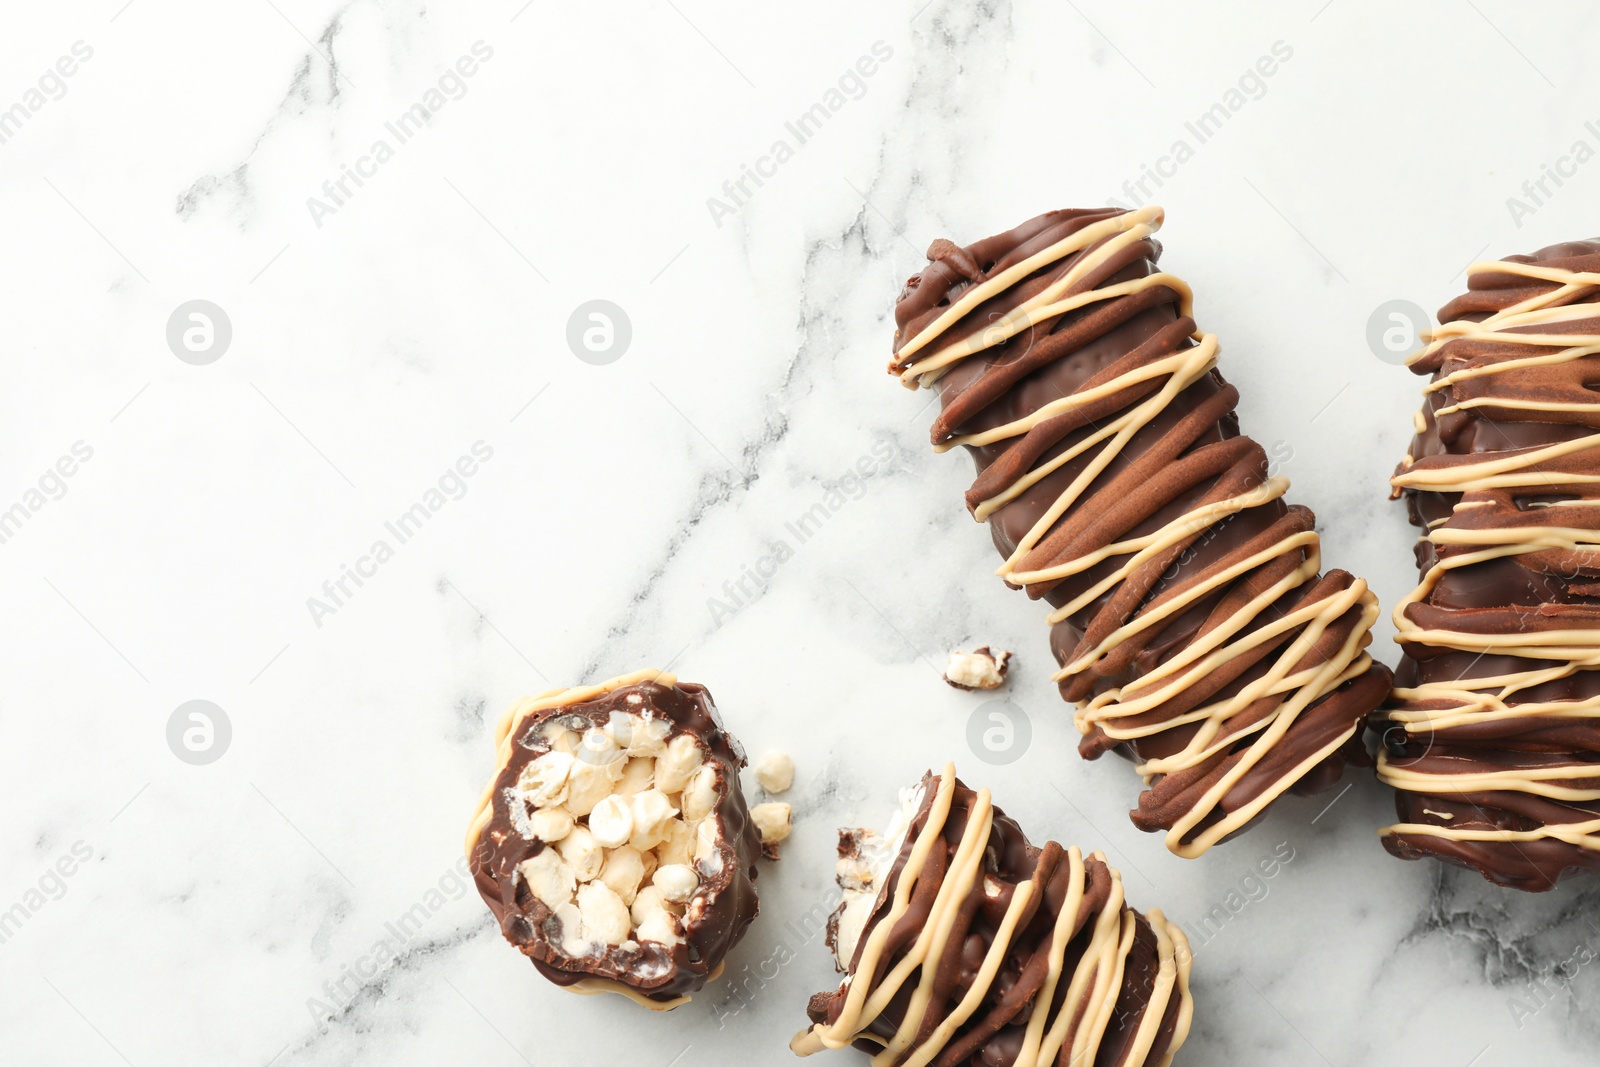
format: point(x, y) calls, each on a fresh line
point(1191, 453)
point(722, 909)
point(994, 1033)
point(1548, 590)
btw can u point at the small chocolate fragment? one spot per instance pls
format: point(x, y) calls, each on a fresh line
point(1193, 628)
point(613, 844)
point(978, 669)
point(963, 944)
point(1493, 730)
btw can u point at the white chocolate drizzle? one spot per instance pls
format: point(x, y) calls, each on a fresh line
point(1062, 1028)
point(1296, 678)
point(1548, 330)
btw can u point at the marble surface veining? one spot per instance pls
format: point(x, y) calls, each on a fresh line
point(393, 498)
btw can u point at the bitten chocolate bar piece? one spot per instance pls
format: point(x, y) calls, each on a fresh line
point(1191, 624)
point(1493, 734)
point(963, 944)
point(613, 844)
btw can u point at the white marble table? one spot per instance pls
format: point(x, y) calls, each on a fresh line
point(402, 341)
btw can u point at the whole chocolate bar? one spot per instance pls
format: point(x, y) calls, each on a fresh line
point(1493, 735)
point(962, 943)
point(1191, 624)
point(613, 844)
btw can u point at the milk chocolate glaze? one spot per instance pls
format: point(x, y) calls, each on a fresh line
point(982, 949)
point(654, 973)
point(1193, 628)
point(1492, 737)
